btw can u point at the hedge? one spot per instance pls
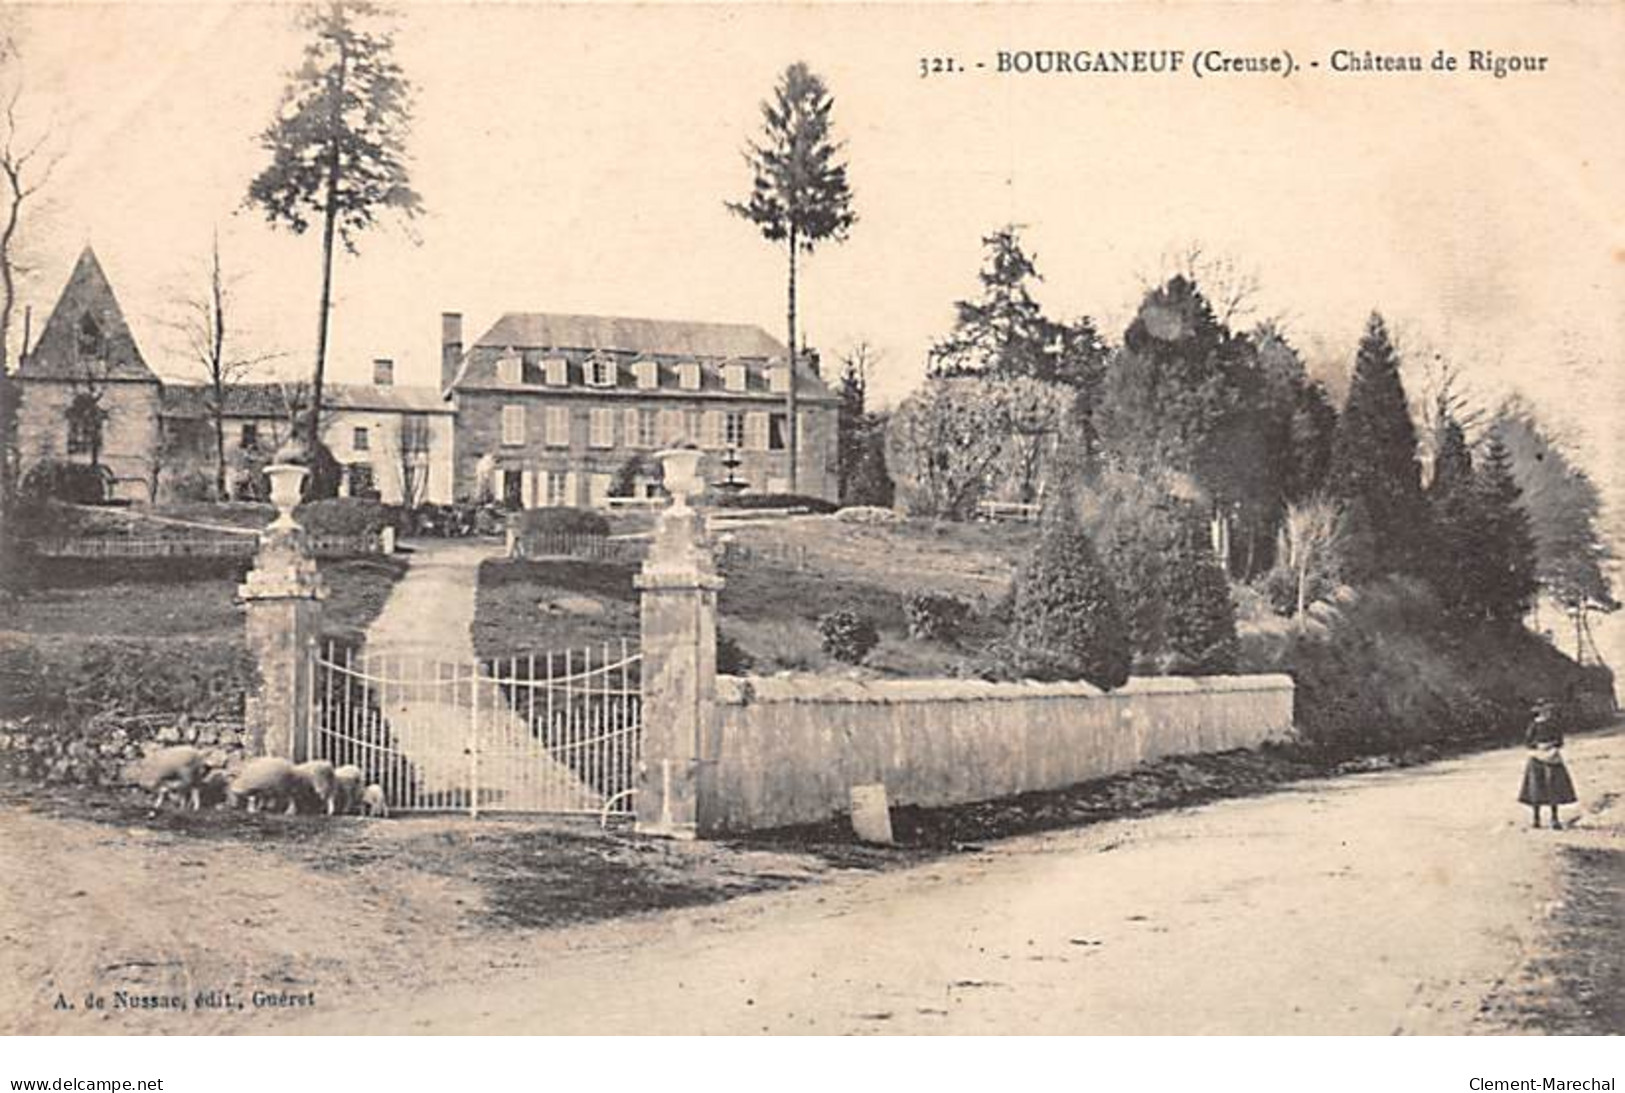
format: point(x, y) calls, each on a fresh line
point(773, 501)
point(348, 517)
point(70, 681)
point(560, 520)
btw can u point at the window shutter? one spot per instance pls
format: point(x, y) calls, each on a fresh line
point(513, 425)
point(756, 432)
point(527, 489)
point(570, 488)
point(629, 426)
point(558, 372)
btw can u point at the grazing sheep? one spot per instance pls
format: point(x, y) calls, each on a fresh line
point(350, 785)
point(215, 790)
point(268, 780)
point(317, 787)
point(372, 800)
point(178, 770)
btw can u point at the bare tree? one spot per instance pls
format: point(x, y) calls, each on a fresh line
point(406, 449)
point(26, 163)
point(203, 321)
point(1311, 537)
point(1228, 287)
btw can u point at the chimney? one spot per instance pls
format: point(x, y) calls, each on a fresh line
point(451, 347)
point(383, 372)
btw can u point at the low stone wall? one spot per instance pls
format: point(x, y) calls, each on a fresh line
point(788, 750)
point(99, 750)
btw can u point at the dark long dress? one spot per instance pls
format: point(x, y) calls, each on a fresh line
point(1546, 780)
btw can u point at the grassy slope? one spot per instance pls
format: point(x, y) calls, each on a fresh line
point(771, 609)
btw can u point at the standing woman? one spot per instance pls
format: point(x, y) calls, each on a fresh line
point(1546, 780)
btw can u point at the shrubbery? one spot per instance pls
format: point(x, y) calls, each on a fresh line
point(732, 658)
point(848, 636)
point(1067, 622)
point(343, 517)
point(561, 521)
point(1199, 617)
point(934, 616)
point(105, 676)
point(773, 501)
point(73, 483)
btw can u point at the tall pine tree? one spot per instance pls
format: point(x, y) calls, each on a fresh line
point(1374, 467)
point(1506, 555)
point(1454, 510)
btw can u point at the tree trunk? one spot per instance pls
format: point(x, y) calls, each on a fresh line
point(329, 222)
point(792, 430)
point(218, 372)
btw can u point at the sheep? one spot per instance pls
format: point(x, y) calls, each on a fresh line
point(350, 783)
point(178, 770)
point(215, 789)
point(317, 786)
point(373, 802)
point(268, 780)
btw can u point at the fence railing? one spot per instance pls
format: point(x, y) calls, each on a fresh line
point(322, 546)
point(1007, 510)
point(730, 554)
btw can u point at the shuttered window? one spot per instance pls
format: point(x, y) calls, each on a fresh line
point(558, 426)
point(513, 425)
point(601, 432)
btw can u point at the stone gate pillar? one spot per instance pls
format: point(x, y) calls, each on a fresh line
point(678, 588)
point(283, 593)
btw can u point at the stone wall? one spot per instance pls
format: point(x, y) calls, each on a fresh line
point(130, 437)
point(99, 750)
point(788, 750)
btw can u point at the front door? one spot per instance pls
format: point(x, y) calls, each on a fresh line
point(513, 489)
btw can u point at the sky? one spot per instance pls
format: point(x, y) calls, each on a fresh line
point(577, 159)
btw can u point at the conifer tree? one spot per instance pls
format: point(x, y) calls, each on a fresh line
point(1374, 467)
point(799, 195)
point(1506, 583)
point(1454, 511)
point(338, 148)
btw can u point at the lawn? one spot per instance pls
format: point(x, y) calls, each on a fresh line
point(770, 608)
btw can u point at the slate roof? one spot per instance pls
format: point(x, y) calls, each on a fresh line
point(536, 336)
point(268, 400)
point(539, 330)
point(56, 355)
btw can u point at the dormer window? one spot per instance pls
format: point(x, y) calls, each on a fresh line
point(601, 372)
point(91, 343)
point(778, 377)
point(511, 369)
point(558, 372)
point(647, 373)
point(688, 375)
point(733, 376)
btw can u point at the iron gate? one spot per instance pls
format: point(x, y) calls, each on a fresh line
point(543, 732)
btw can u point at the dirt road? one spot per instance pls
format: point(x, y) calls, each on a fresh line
point(1384, 903)
point(1399, 901)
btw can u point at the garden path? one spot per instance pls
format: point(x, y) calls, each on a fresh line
point(429, 616)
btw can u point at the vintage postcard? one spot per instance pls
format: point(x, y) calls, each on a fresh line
point(811, 518)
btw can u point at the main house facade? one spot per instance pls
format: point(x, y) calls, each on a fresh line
point(542, 410)
point(563, 409)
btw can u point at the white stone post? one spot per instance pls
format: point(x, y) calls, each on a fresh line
point(283, 593)
point(678, 586)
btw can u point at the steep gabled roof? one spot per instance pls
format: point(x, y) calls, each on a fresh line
point(538, 330)
point(57, 353)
